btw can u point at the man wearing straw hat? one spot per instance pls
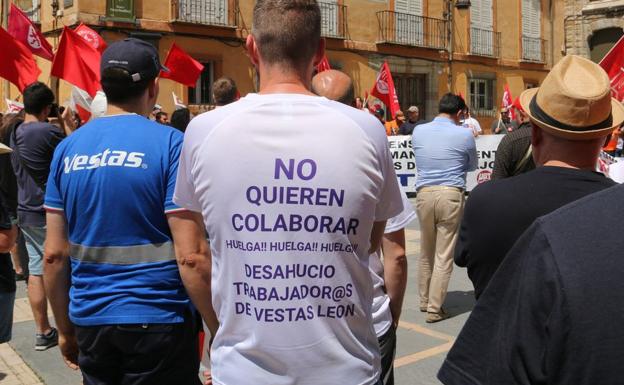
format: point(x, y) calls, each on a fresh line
point(543, 318)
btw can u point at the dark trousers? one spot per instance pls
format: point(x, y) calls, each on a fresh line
point(139, 354)
point(387, 345)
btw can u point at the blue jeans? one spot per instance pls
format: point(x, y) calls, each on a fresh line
point(6, 316)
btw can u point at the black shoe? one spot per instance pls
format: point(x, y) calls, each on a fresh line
point(46, 341)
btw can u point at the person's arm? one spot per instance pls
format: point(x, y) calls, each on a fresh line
point(376, 235)
point(194, 262)
point(7, 238)
point(471, 149)
point(57, 282)
point(395, 271)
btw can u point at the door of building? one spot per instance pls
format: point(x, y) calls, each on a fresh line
point(411, 91)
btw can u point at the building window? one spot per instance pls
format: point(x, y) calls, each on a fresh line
point(209, 12)
point(482, 97)
point(411, 90)
point(483, 39)
point(202, 93)
point(532, 49)
point(408, 22)
point(32, 8)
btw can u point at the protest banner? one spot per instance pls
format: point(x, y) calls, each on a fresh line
point(405, 164)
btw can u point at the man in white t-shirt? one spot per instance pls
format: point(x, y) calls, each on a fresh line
point(390, 275)
point(293, 214)
point(389, 282)
point(472, 124)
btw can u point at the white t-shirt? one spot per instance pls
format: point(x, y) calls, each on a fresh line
point(382, 317)
point(472, 124)
point(289, 187)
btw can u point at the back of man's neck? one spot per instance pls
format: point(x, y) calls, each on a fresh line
point(32, 119)
point(112, 110)
point(572, 165)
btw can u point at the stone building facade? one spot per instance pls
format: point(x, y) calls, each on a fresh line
point(592, 27)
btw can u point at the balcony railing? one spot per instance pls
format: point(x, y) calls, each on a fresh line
point(533, 49)
point(333, 20)
point(414, 30)
point(484, 42)
point(208, 12)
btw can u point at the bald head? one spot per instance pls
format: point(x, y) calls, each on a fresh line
point(334, 85)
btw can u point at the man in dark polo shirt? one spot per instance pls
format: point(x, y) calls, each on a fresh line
point(499, 211)
point(33, 143)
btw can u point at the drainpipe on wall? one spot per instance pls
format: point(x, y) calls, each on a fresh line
point(449, 20)
point(551, 13)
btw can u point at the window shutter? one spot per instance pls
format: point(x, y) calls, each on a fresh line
point(413, 7)
point(531, 18)
point(481, 15)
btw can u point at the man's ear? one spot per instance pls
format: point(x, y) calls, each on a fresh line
point(320, 52)
point(252, 50)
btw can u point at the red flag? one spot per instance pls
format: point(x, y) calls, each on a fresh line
point(613, 64)
point(508, 102)
point(182, 67)
point(18, 64)
point(91, 37)
point(517, 104)
point(384, 90)
point(24, 31)
point(77, 62)
point(323, 65)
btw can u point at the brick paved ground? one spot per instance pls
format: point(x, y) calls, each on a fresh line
point(420, 353)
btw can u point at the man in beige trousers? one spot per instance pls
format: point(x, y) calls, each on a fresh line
point(444, 152)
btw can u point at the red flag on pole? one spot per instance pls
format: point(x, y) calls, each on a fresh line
point(508, 102)
point(91, 37)
point(24, 31)
point(323, 65)
point(18, 64)
point(182, 67)
point(613, 64)
point(77, 62)
point(384, 90)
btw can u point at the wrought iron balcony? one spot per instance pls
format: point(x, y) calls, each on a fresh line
point(484, 42)
point(333, 20)
point(208, 12)
point(414, 30)
point(533, 49)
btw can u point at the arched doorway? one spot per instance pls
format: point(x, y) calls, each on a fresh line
point(602, 41)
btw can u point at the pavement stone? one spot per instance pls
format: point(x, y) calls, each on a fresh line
point(421, 347)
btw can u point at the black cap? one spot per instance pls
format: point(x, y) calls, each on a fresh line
point(136, 56)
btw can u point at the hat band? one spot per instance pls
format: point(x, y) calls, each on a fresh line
point(543, 117)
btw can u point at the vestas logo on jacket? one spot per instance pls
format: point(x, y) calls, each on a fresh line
point(108, 158)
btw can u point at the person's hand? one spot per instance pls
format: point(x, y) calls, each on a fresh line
point(207, 377)
point(68, 124)
point(69, 350)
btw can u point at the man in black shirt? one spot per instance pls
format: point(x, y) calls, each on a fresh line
point(8, 233)
point(552, 313)
point(514, 155)
point(33, 143)
point(413, 120)
point(499, 211)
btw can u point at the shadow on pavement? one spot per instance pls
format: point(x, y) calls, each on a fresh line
point(459, 302)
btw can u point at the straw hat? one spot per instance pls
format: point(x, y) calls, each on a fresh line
point(4, 149)
point(574, 101)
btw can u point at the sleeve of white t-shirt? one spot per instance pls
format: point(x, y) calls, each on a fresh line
point(477, 126)
point(185, 193)
point(390, 203)
point(401, 221)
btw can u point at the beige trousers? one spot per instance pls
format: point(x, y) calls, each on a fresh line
point(440, 211)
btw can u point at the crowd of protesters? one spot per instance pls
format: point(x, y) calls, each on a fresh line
point(144, 230)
